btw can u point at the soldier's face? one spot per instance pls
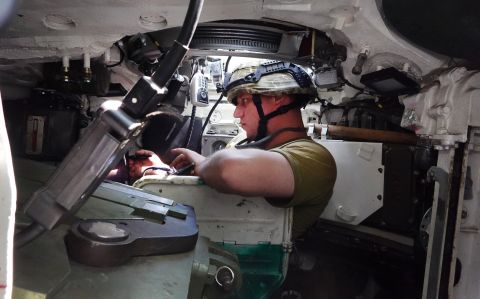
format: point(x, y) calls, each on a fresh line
point(247, 112)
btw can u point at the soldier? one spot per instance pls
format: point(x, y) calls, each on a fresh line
point(280, 162)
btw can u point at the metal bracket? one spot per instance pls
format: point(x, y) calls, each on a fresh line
point(144, 204)
point(436, 240)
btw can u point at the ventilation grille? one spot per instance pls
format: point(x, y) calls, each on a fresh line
point(210, 38)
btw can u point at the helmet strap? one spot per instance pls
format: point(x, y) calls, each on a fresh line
point(262, 123)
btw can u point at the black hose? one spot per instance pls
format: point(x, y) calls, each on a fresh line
point(190, 22)
point(175, 55)
point(28, 234)
point(190, 127)
point(210, 113)
point(227, 63)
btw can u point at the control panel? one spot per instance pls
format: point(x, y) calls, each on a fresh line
point(199, 90)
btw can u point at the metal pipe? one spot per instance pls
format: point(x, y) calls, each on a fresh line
point(190, 22)
point(366, 134)
point(86, 67)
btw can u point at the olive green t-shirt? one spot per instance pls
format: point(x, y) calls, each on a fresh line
point(315, 172)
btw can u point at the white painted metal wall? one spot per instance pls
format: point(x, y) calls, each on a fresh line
point(447, 113)
point(358, 191)
point(468, 233)
point(8, 195)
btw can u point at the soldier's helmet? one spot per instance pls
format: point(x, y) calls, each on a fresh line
point(269, 78)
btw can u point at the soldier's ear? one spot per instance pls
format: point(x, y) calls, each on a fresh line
point(282, 99)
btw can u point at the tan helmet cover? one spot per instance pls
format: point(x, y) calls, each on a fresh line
point(270, 84)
